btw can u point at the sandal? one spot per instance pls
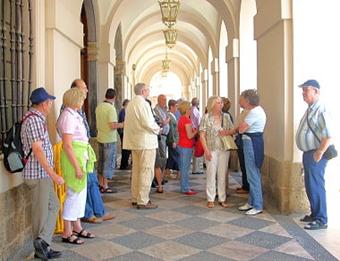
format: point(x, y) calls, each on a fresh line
point(210, 204)
point(93, 220)
point(76, 240)
point(84, 234)
point(224, 204)
point(160, 189)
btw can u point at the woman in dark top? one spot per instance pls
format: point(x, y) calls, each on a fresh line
point(124, 163)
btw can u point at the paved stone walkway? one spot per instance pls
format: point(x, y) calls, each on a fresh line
point(183, 228)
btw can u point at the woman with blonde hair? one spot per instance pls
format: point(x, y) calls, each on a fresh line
point(185, 144)
point(215, 154)
point(77, 159)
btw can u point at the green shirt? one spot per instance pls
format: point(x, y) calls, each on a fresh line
point(105, 114)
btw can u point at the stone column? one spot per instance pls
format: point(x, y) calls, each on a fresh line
point(233, 61)
point(204, 88)
point(106, 63)
point(215, 76)
point(281, 176)
point(119, 79)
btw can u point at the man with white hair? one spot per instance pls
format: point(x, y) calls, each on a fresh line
point(140, 136)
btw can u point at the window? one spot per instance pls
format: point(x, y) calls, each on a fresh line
point(16, 51)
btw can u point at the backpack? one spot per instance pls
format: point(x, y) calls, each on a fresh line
point(14, 156)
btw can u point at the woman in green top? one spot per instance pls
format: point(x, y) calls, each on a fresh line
point(75, 157)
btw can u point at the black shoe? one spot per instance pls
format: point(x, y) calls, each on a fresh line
point(315, 225)
point(41, 250)
point(51, 254)
point(307, 218)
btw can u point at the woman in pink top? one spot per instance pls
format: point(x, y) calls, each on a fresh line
point(185, 144)
point(71, 128)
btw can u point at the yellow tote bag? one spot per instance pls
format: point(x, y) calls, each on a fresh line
point(228, 143)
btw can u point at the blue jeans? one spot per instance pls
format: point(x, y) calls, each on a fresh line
point(94, 202)
point(315, 185)
point(107, 159)
point(253, 176)
point(185, 155)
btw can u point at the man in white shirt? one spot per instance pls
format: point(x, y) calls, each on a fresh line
point(140, 136)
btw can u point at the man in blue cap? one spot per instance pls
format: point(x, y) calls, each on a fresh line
point(313, 138)
point(39, 173)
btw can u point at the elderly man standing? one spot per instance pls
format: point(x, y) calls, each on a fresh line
point(39, 173)
point(161, 113)
point(313, 138)
point(140, 136)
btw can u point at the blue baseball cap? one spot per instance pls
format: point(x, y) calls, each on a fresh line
point(40, 95)
point(312, 83)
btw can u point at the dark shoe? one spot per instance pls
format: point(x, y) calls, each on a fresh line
point(108, 190)
point(307, 218)
point(241, 191)
point(134, 204)
point(315, 225)
point(197, 173)
point(147, 206)
point(51, 254)
point(40, 247)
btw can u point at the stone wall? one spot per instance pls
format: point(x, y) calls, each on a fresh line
point(283, 185)
point(15, 222)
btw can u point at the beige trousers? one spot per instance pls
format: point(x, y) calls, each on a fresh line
point(45, 207)
point(142, 175)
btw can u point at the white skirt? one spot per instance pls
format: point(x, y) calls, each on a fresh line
point(74, 205)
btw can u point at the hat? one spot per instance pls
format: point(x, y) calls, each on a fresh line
point(312, 83)
point(40, 95)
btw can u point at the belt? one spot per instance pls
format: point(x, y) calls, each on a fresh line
point(164, 135)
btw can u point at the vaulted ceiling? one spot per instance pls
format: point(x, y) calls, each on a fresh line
point(198, 24)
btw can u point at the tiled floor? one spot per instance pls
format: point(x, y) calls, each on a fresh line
point(182, 228)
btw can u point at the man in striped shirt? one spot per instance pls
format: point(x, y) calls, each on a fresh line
point(313, 138)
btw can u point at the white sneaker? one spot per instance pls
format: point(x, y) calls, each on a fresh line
point(253, 212)
point(245, 207)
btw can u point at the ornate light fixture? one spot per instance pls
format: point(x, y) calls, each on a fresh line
point(170, 35)
point(165, 64)
point(169, 10)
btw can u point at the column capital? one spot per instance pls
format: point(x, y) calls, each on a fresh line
point(232, 50)
point(214, 66)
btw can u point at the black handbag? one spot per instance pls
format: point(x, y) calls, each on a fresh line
point(331, 151)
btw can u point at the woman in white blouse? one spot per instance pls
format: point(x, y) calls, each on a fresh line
point(216, 157)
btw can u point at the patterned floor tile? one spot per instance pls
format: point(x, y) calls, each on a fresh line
point(70, 256)
point(141, 223)
point(196, 223)
point(201, 240)
point(134, 256)
point(251, 222)
point(192, 210)
point(292, 247)
point(205, 256)
point(183, 228)
point(276, 229)
point(220, 215)
point(137, 240)
point(109, 231)
point(263, 239)
point(228, 231)
point(238, 251)
point(273, 255)
point(169, 251)
point(167, 216)
point(107, 250)
point(169, 231)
